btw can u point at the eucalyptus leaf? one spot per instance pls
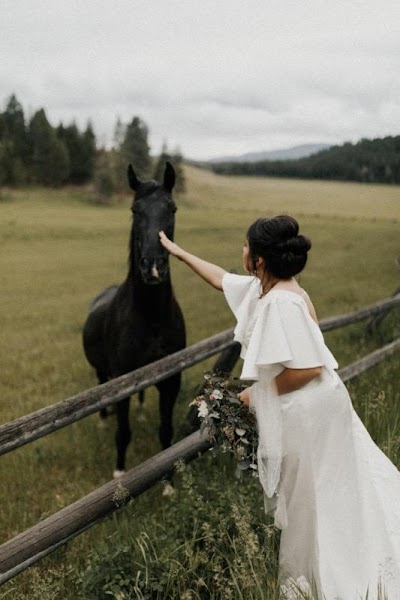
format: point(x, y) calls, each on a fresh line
point(234, 401)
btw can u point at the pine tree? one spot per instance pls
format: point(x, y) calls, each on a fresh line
point(118, 164)
point(135, 148)
point(177, 161)
point(71, 138)
point(105, 184)
point(14, 140)
point(119, 134)
point(81, 151)
point(160, 164)
point(89, 158)
point(50, 160)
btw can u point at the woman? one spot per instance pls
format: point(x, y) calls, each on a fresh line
point(331, 490)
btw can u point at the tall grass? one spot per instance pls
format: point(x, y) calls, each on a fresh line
point(57, 252)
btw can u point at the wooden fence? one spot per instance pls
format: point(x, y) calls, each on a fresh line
point(40, 540)
point(51, 418)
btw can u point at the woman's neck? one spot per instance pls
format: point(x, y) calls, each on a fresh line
point(267, 283)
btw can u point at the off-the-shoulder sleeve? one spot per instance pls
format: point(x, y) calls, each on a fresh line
point(285, 334)
point(236, 288)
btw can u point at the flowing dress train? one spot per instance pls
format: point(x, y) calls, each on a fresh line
point(338, 496)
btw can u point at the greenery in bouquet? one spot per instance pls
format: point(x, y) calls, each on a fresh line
point(229, 423)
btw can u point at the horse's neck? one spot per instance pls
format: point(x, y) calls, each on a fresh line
point(151, 300)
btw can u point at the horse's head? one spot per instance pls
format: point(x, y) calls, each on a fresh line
point(153, 210)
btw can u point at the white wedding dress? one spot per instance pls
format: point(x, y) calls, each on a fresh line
point(337, 496)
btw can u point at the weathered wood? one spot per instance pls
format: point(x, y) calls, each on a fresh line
point(51, 418)
point(41, 539)
point(358, 315)
point(33, 544)
point(365, 363)
point(378, 318)
point(42, 422)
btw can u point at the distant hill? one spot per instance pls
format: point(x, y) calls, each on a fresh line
point(284, 154)
point(375, 161)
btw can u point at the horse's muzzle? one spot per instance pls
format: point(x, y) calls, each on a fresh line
point(153, 271)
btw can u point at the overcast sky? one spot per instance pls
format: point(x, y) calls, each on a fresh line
point(213, 77)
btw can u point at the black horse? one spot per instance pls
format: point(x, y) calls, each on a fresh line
point(140, 321)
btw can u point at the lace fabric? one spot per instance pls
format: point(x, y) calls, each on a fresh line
point(265, 402)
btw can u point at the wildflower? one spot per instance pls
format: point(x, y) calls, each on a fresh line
point(196, 401)
point(121, 495)
point(216, 395)
point(203, 409)
point(240, 452)
point(228, 432)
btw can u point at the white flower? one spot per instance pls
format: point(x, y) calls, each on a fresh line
point(203, 409)
point(217, 395)
point(240, 431)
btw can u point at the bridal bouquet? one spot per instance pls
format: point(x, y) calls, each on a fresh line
point(229, 423)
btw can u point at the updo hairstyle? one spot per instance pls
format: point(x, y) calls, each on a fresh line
point(277, 241)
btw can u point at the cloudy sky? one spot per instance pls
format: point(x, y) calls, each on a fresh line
point(213, 77)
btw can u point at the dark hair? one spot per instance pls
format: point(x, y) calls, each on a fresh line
point(277, 241)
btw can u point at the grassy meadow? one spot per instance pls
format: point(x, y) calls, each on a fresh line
point(58, 249)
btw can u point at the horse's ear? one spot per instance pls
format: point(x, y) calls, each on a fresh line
point(134, 181)
point(169, 177)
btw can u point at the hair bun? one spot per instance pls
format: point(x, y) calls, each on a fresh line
point(277, 240)
point(295, 245)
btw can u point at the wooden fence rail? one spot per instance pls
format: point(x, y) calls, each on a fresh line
point(51, 418)
point(40, 540)
point(30, 427)
point(35, 543)
point(359, 315)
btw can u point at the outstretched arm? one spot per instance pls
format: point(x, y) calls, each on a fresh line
point(211, 273)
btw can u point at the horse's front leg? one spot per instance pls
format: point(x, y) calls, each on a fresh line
point(168, 390)
point(102, 378)
point(123, 434)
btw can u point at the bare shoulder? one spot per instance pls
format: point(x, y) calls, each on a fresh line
point(311, 308)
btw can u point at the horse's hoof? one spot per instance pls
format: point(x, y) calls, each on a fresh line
point(117, 474)
point(168, 489)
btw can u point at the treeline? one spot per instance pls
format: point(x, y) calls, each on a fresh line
point(34, 152)
point(131, 145)
point(374, 161)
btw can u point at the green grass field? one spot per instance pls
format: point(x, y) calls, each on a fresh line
point(58, 250)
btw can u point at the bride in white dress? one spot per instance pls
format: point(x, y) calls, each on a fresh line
point(334, 494)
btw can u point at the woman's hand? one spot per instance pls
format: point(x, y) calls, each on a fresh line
point(244, 396)
point(172, 248)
